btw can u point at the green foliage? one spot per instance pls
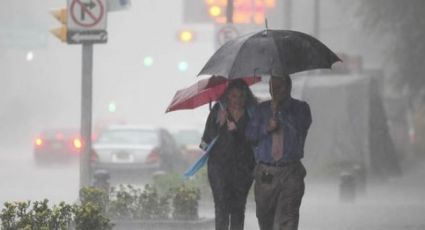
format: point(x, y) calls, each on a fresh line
point(164, 207)
point(128, 202)
point(61, 216)
point(124, 202)
point(89, 216)
point(95, 196)
point(20, 215)
point(24, 216)
point(149, 201)
point(404, 23)
point(185, 202)
point(164, 182)
point(38, 216)
point(8, 216)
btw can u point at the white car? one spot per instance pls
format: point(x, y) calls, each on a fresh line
point(134, 148)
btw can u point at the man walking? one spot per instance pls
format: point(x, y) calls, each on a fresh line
point(278, 130)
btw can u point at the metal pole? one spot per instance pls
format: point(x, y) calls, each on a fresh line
point(287, 11)
point(229, 12)
point(86, 113)
point(316, 19)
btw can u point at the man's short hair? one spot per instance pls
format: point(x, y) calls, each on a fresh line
point(286, 78)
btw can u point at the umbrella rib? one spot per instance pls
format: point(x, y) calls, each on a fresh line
point(277, 54)
point(236, 57)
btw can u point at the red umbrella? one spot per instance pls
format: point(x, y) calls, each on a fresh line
point(203, 92)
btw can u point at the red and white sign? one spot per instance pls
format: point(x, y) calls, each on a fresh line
point(85, 15)
point(226, 33)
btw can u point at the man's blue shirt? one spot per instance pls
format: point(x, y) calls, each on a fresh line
point(294, 118)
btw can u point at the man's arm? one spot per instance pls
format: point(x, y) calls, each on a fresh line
point(255, 129)
point(306, 115)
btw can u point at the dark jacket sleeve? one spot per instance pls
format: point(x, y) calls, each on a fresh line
point(306, 114)
point(211, 128)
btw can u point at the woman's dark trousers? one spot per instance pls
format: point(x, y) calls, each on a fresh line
point(230, 190)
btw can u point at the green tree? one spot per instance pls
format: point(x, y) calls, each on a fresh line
point(404, 23)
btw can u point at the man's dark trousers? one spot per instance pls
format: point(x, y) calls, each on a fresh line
point(278, 199)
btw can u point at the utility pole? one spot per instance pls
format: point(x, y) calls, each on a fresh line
point(229, 12)
point(287, 12)
point(228, 31)
point(316, 22)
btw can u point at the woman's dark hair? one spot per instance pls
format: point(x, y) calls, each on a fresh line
point(240, 84)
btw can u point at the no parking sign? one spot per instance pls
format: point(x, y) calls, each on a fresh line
point(226, 33)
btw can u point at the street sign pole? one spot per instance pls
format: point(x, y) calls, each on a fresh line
point(228, 31)
point(86, 113)
point(287, 12)
point(86, 26)
point(316, 25)
point(85, 22)
point(229, 12)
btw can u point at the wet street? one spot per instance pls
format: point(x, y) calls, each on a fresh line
point(398, 204)
point(23, 180)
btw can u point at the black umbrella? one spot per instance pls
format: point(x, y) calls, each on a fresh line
point(269, 52)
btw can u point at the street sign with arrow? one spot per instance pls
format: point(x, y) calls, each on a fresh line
point(93, 36)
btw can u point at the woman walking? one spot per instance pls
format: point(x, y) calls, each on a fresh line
point(231, 159)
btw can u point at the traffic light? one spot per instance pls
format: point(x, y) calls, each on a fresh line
point(148, 61)
point(62, 32)
point(183, 66)
point(77, 143)
point(244, 11)
point(112, 107)
point(186, 36)
point(215, 11)
point(30, 56)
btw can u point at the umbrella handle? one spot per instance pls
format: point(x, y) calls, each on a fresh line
point(267, 26)
point(271, 92)
point(271, 87)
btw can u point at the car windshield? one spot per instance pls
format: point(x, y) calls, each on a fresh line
point(136, 137)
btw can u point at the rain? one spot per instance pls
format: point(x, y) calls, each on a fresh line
point(364, 153)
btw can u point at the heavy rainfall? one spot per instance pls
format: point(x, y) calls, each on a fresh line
point(364, 152)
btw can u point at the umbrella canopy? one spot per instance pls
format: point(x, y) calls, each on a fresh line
point(269, 52)
point(203, 92)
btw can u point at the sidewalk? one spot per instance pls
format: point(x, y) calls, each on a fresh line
point(398, 204)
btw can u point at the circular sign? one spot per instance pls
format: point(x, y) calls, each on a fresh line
point(227, 33)
point(87, 13)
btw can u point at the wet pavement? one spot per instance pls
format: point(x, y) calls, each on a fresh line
point(398, 204)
